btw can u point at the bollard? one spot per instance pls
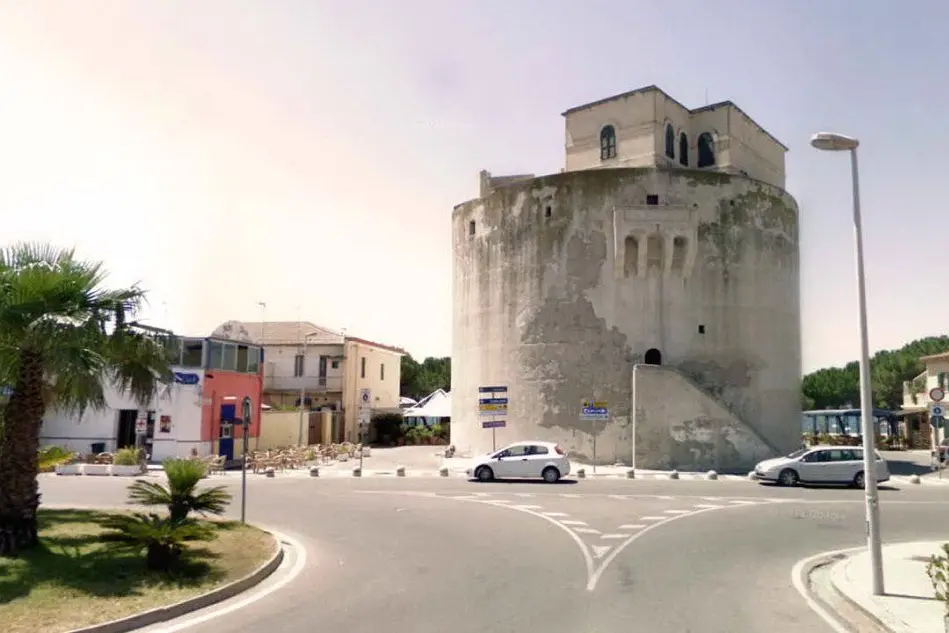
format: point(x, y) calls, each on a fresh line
point(631, 473)
point(443, 471)
point(357, 472)
point(400, 471)
point(315, 471)
point(674, 474)
point(712, 475)
point(270, 472)
point(581, 473)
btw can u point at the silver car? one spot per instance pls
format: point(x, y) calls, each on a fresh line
point(821, 465)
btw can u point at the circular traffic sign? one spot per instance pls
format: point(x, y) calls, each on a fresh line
point(937, 411)
point(937, 394)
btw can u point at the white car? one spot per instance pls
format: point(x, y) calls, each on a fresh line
point(523, 460)
point(820, 465)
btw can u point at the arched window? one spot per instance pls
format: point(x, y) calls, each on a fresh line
point(706, 147)
point(670, 141)
point(653, 357)
point(679, 246)
point(683, 149)
point(471, 227)
point(607, 142)
point(631, 256)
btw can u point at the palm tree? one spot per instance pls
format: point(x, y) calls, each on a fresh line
point(162, 539)
point(181, 496)
point(63, 338)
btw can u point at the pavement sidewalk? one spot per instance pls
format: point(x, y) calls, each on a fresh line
point(909, 605)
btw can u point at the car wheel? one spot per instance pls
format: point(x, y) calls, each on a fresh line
point(551, 475)
point(787, 477)
point(859, 480)
point(484, 473)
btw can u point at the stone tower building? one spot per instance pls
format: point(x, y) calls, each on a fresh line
point(667, 243)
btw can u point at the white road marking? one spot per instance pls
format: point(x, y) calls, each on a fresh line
point(555, 514)
point(595, 577)
point(711, 498)
point(665, 498)
point(524, 495)
point(615, 536)
point(600, 550)
point(619, 497)
point(707, 505)
point(569, 496)
point(463, 497)
point(677, 511)
point(653, 518)
point(490, 500)
point(743, 502)
point(631, 526)
point(529, 507)
point(573, 522)
point(584, 530)
point(800, 583)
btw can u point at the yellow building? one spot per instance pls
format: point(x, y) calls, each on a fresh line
point(351, 377)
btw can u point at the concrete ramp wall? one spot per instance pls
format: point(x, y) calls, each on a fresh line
point(679, 426)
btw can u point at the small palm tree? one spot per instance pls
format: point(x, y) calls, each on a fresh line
point(64, 337)
point(181, 496)
point(162, 538)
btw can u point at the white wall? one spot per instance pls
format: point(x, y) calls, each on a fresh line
point(181, 402)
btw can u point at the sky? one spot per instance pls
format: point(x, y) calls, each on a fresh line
point(307, 154)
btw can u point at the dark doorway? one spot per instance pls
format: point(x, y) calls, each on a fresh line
point(653, 357)
point(125, 435)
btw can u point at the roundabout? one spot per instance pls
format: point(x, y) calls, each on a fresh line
point(438, 554)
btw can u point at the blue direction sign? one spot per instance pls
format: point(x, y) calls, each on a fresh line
point(595, 413)
point(493, 424)
point(492, 401)
point(492, 389)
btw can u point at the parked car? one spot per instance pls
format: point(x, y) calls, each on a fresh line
point(820, 465)
point(533, 460)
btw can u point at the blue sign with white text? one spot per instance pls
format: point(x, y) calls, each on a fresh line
point(493, 424)
point(492, 389)
point(183, 378)
point(492, 401)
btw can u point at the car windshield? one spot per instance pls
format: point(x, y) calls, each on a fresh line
point(798, 453)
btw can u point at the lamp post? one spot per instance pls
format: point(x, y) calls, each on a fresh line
point(263, 366)
point(306, 337)
point(245, 423)
point(828, 141)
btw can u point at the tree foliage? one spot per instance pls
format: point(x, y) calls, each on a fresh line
point(836, 387)
point(421, 379)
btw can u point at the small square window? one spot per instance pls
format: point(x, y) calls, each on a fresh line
point(701, 329)
point(547, 212)
point(652, 199)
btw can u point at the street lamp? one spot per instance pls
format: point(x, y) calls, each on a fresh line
point(836, 143)
point(306, 337)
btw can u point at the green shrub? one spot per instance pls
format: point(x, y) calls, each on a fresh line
point(125, 457)
point(52, 456)
point(938, 571)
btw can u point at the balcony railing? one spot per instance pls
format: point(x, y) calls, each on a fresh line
point(312, 384)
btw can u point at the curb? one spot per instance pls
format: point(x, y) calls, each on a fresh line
point(178, 609)
point(800, 579)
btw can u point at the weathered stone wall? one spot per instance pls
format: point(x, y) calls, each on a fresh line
point(562, 283)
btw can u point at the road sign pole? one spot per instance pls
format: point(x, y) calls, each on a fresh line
point(594, 448)
point(494, 440)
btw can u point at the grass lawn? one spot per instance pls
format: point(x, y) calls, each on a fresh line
point(74, 581)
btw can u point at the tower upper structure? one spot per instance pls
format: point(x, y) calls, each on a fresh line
point(648, 128)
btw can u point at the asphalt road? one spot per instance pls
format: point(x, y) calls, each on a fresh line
point(431, 555)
